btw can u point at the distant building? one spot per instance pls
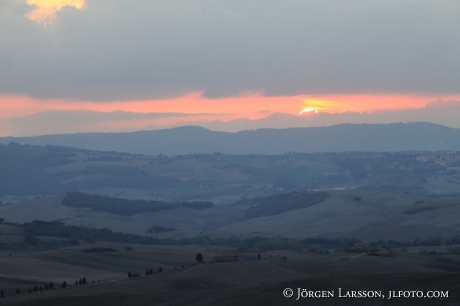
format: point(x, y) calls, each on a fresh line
point(224, 258)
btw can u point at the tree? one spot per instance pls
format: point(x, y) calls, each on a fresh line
point(64, 284)
point(160, 269)
point(46, 287)
point(30, 290)
point(80, 282)
point(129, 274)
point(151, 271)
point(76, 283)
point(35, 288)
point(51, 285)
point(18, 291)
point(83, 281)
point(2, 294)
point(199, 257)
point(258, 256)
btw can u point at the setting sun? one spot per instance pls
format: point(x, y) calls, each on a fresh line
point(308, 110)
point(318, 105)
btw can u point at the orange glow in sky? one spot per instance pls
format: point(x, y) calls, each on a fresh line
point(250, 106)
point(45, 10)
point(194, 106)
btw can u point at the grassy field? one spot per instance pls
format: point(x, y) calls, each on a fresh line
point(367, 215)
point(247, 282)
point(376, 215)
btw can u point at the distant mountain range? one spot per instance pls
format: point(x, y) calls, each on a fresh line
point(192, 139)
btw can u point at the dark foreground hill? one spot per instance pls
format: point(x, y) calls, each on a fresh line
point(191, 139)
point(262, 283)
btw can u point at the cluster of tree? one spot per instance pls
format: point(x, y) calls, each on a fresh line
point(126, 207)
point(449, 251)
point(59, 229)
point(428, 241)
point(254, 244)
point(160, 229)
point(147, 272)
point(81, 281)
point(283, 202)
point(36, 288)
point(418, 210)
point(99, 250)
point(30, 242)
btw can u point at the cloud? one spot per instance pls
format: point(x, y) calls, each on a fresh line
point(78, 121)
point(135, 50)
point(45, 10)
point(83, 121)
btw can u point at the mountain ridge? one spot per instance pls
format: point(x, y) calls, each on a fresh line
point(194, 139)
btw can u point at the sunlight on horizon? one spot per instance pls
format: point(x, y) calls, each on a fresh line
point(45, 10)
point(318, 105)
point(308, 110)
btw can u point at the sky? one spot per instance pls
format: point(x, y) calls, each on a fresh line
point(123, 65)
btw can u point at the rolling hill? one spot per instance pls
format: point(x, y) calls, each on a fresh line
point(192, 139)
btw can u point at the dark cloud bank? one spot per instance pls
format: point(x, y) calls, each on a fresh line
point(118, 50)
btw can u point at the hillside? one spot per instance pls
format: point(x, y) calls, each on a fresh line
point(27, 171)
point(190, 140)
point(362, 214)
point(263, 282)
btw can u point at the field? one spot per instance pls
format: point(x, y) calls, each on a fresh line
point(376, 215)
point(357, 221)
point(246, 281)
point(366, 215)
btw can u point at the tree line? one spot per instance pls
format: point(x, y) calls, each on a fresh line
point(126, 207)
